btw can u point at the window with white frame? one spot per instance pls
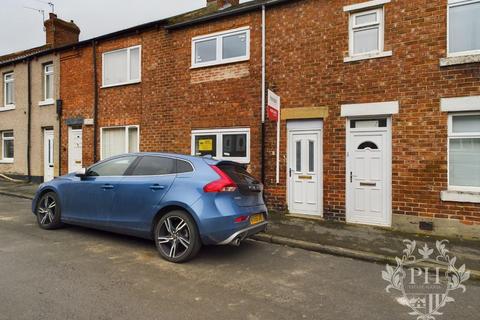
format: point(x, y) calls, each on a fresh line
point(222, 47)
point(119, 140)
point(228, 144)
point(122, 66)
point(464, 152)
point(7, 146)
point(463, 27)
point(48, 82)
point(9, 89)
point(366, 34)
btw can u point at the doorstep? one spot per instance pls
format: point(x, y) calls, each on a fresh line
point(359, 242)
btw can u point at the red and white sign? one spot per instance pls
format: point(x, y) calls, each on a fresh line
point(273, 106)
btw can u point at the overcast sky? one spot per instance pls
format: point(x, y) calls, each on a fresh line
point(22, 28)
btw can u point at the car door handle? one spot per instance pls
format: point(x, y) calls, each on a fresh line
point(107, 186)
point(157, 187)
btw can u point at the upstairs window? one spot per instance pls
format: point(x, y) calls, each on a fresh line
point(222, 47)
point(9, 89)
point(366, 32)
point(226, 144)
point(48, 82)
point(464, 152)
point(7, 146)
point(122, 67)
point(463, 27)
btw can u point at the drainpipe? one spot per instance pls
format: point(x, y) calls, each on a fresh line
point(95, 101)
point(263, 93)
point(29, 120)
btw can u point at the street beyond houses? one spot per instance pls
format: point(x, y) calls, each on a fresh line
point(77, 273)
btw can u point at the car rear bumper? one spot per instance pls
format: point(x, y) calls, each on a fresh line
point(244, 233)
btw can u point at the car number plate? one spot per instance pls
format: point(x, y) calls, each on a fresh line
point(256, 218)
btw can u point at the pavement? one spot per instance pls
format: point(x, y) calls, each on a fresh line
point(354, 241)
point(77, 273)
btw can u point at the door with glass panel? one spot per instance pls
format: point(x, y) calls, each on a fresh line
point(368, 172)
point(304, 172)
point(48, 152)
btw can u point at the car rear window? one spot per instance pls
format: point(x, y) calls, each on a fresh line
point(238, 174)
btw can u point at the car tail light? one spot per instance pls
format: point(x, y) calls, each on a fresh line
point(241, 219)
point(224, 184)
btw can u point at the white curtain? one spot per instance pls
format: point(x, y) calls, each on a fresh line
point(115, 64)
point(132, 139)
point(113, 142)
point(464, 27)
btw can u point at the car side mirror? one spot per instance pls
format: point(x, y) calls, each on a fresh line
point(82, 173)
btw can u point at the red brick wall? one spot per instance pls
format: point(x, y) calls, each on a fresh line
point(76, 91)
point(306, 43)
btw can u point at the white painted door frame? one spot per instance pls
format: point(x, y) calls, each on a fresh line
point(48, 155)
point(349, 197)
point(305, 127)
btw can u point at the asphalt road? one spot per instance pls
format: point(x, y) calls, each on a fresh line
point(76, 273)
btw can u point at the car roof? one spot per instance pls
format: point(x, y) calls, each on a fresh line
point(209, 160)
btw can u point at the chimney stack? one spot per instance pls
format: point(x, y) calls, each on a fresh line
point(223, 3)
point(60, 32)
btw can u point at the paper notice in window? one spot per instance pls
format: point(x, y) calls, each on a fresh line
point(205, 145)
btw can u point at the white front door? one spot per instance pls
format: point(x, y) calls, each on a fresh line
point(74, 150)
point(305, 169)
point(48, 155)
point(369, 173)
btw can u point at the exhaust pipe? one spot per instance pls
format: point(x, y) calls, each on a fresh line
point(236, 242)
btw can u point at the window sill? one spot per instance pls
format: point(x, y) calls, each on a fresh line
point(5, 161)
point(453, 61)
point(7, 108)
point(120, 84)
point(368, 56)
point(219, 63)
point(48, 102)
point(460, 196)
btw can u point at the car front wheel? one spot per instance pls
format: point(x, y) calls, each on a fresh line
point(48, 211)
point(176, 237)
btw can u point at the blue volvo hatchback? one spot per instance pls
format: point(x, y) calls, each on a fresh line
point(181, 202)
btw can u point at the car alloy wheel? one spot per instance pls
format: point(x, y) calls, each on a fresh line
point(174, 237)
point(48, 211)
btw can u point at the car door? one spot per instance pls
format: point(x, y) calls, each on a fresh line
point(140, 193)
point(89, 200)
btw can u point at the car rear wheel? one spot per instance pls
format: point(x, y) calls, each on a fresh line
point(176, 237)
point(48, 211)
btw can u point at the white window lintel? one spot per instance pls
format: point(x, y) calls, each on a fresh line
point(365, 5)
point(459, 104)
point(370, 109)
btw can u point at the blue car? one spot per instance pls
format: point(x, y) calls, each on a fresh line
point(181, 202)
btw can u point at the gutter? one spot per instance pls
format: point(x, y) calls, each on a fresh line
point(263, 95)
point(95, 101)
point(29, 120)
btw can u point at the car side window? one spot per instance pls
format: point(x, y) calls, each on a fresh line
point(114, 167)
point(154, 166)
point(184, 166)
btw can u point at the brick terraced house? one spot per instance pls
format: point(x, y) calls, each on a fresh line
point(29, 124)
point(380, 103)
